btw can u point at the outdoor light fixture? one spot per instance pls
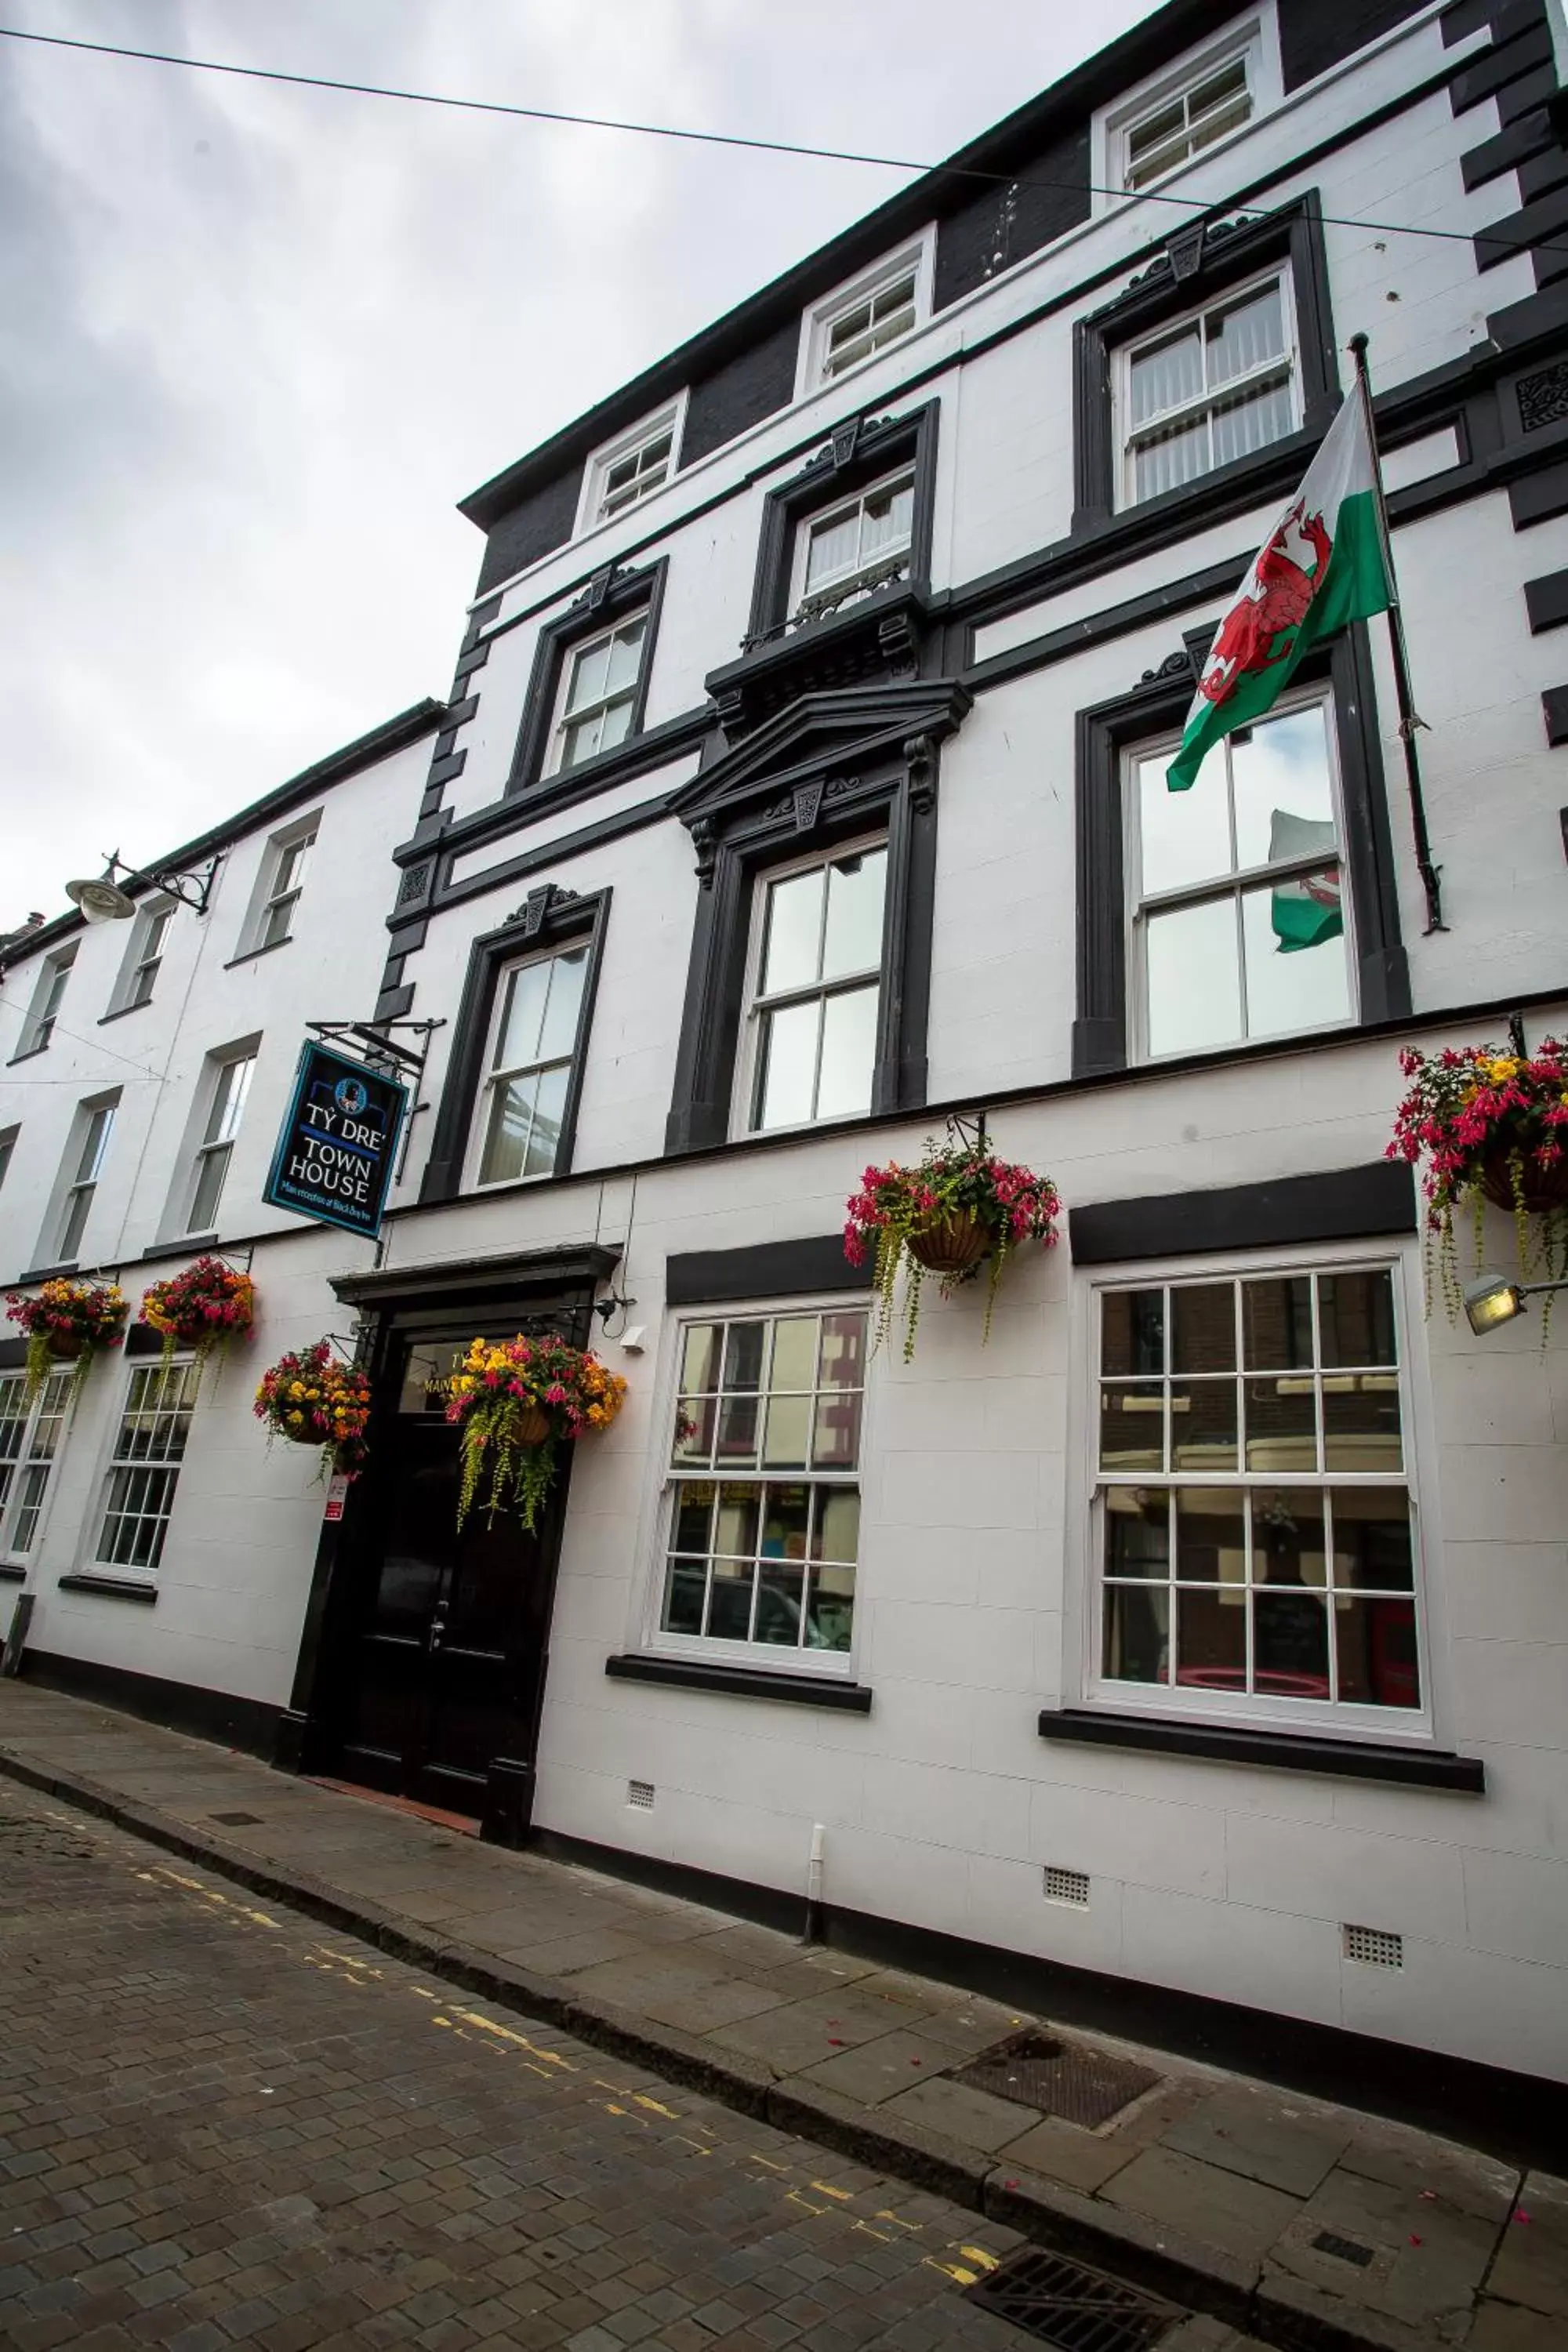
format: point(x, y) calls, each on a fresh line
point(1492, 1300)
point(103, 899)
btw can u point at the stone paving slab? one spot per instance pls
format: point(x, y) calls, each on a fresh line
point(1211, 2188)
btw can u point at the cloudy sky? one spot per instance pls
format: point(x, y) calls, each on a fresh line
point(255, 341)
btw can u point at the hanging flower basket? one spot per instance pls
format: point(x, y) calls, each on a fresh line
point(68, 1322)
point(203, 1309)
point(958, 1207)
point(313, 1398)
point(514, 1401)
point(1488, 1126)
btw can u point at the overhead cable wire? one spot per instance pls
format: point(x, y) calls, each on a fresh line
point(731, 138)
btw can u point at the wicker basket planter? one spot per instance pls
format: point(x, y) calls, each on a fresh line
point(953, 1245)
point(958, 1207)
point(1477, 1122)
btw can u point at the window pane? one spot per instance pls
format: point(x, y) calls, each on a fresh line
point(1377, 1654)
point(1355, 1318)
point(1288, 1536)
point(581, 741)
point(77, 1206)
point(886, 517)
point(614, 725)
point(1361, 1421)
point(848, 1052)
point(1193, 987)
point(1246, 336)
point(1156, 129)
point(788, 1073)
point(830, 1613)
point(1291, 1644)
point(548, 1115)
point(1211, 1639)
point(505, 1135)
point(695, 1418)
point(843, 1350)
point(738, 1418)
point(1182, 837)
point(786, 1523)
point(730, 1602)
point(212, 1167)
point(693, 1516)
point(94, 1144)
point(1131, 1426)
point(1177, 455)
point(1132, 1329)
point(793, 1363)
point(1211, 1535)
point(837, 1533)
point(853, 941)
point(1202, 1425)
point(625, 656)
point(1281, 1423)
point(1276, 1322)
point(1373, 1551)
point(1137, 1632)
point(699, 1358)
point(792, 952)
point(836, 1444)
point(683, 1596)
point(1298, 975)
point(1137, 1533)
point(526, 994)
point(1168, 376)
point(1281, 780)
point(590, 669)
point(558, 1026)
point(1251, 421)
point(275, 925)
point(1203, 1328)
point(228, 1101)
point(787, 1442)
point(745, 1347)
point(781, 1594)
point(832, 546)
point(735, 1523)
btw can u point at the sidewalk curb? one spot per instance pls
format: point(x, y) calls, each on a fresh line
point(1283, 2312)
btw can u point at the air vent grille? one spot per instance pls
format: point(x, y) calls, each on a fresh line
point(1375, 1948)
point(1066, 1886)
point(640, 1793)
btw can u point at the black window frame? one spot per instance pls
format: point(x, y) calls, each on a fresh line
point(611, 596)
point(1102, 1027)
point(886, 783)
point(855, 455)
point(549, 920)
point(1199, 266)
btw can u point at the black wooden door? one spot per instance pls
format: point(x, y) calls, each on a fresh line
point(446, 1658)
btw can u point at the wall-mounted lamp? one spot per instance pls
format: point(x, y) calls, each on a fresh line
point(103, 898)
point(1494, 1299)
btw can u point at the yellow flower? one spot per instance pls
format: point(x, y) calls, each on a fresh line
point(1502, 1067)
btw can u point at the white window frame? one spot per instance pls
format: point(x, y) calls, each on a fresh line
point(491, 1077)
point(754, 1006)
point(52, 1404)
point(1231, 886)
point(209, 1146)
point(671, 419)
point(9, 1139)
point(1288, 365)
point(49, 992)
point(146, 952)
point(1255, 37)
point(843, 584)
point(81, 1165)
point(830, 1665)
point(1371, 1725)
point(184, 1370)
point(277, 884)
point(572, 654)
point(918, 255)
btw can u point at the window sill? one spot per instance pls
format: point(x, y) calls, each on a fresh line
point(740, 1682)
point(49, 1272)
point(1289, 1751)
point(113, 1588)
point(251, 953)
point(120, 1011)
point(30, 1054)
point(11, 1574)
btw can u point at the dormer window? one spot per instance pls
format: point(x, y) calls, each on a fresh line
point(866, 316)
point(632, 467)
point(1176, 127)
point(1174, 116)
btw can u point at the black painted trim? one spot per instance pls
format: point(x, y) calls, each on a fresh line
point(1546, 602)
point(742, 1682)
point(1286, 1751)
point(548, 919)
point(1293, 233)
point(13, 1354)
point(113, 1588)
point(140, 1340)
point(789, 1269)
point(1554, 711)
point(1340, 1204)
point(1516, 2118)
point(611, 596)
point(11, 1575)
point(221, 1715)
point(1102, 1030)
point(453, 1286)
point(872, 450)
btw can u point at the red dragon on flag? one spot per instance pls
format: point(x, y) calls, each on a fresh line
point(1274, 601)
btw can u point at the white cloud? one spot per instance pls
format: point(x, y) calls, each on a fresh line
point(256, 340)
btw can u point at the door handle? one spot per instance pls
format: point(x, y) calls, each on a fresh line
point(437, 1626)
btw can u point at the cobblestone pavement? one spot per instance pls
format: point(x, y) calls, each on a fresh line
point(219, 2127)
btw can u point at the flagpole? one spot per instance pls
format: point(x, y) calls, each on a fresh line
point(1408, 721)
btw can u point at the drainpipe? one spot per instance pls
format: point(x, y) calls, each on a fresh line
point(814, 1885)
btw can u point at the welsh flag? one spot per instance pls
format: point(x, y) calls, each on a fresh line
point(1323, 564)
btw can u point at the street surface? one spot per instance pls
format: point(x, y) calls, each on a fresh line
point(219, 2127)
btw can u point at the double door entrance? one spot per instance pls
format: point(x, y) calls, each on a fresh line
point(443, 1632)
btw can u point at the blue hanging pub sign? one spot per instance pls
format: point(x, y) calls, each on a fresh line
point(338, 1146)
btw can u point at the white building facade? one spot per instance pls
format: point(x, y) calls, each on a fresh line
point(1199, 1639)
